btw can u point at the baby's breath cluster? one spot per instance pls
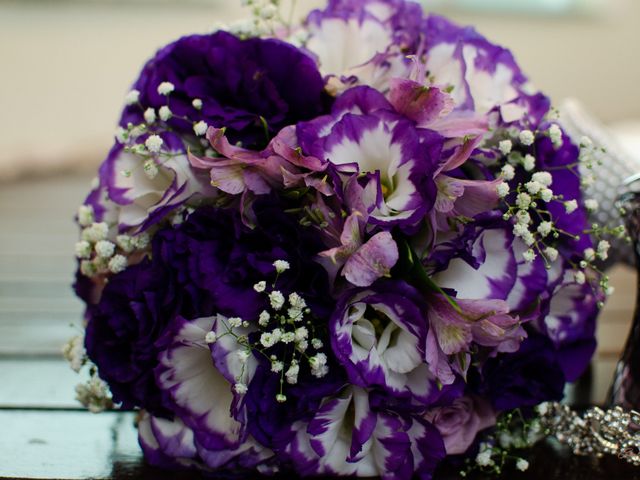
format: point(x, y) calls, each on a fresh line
point(94, 393)
point(285, 336)
point(265, 19)
point(526, 193)
point(145, 141)
point(501, 449)
point(98, 251)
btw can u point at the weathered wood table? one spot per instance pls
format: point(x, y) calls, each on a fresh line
point(45, 434)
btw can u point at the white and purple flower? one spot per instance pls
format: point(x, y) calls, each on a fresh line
point(379, 337)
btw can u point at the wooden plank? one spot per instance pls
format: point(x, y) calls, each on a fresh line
point(37, 383)
point(65, 445)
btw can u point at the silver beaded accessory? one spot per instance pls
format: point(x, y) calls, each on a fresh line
point(596, 432)
point(616, 166)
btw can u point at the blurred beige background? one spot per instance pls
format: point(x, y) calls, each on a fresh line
point(67, 64)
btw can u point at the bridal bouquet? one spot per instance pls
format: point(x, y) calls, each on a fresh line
point(338, 248)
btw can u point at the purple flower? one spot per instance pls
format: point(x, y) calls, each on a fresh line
point(217, 259)
point(364, 136)
point(201, 395)
point(568, 318)
point(347, 437)
point(171, 444)
point(364, 42)
point(521, 379)
point(246, 86)
point(362, 263)
point(452, 330)
point(238, 170)
point(134, 308)
point(141, 200)
point(484, 76)
point(460, 422)
point(379, 335)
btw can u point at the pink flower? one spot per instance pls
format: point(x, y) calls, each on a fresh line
point(459, 422)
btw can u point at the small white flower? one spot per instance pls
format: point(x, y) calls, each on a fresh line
point(508, 172)
point(529, 162)
point(528, 238)
point(235, 322)
point(295, 314)
point(150, 168)
point(165, 88)
point(533, 187)
point(74, 352)
point(603, 249)
point(551, 254)
point(165, 113)
point(302, 346)
point(240, 388)
point(546, 194)
point(267, 340)
point(88, 269)
point(125, 242)
point(316, 343)
point(543, 178)
point(149, 115)
point(579, 278)
point(520, 230)
point(154, 143)
point(281, 266)
point(105, 249)
point(527, 137)
point(288, 337)
point(142, 241)
point(589, 254)
point(277, 299)
point(591, 204)
point(292, 374)
point(505, 147)
point(529, 256)
point(269, 11)
point(210, 337)
point(96, 232)
point(260, 286)
point(118, 264)
point(502, 189)
point(523, 217)
point(197, 103)
point(609, 291)
point(570, 206)
point(484, 458)
point(243, 355)
point(277, 366)
point(523, 200)
point(121, 135)
point(296, 301)
point(522, 465)
point(83, 249)
point(132, 97)
point(280, 398)
point(200, 128)
point(555, 134)
point(586, 142)
point(318, 360)
point(545, 228)
point(263, 319)
point(85, 215)
point(301, 334)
